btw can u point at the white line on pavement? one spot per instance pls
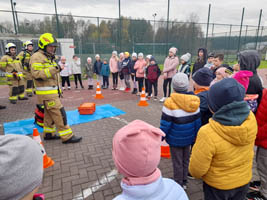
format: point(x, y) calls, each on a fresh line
point(107, 178)
point(121, 120)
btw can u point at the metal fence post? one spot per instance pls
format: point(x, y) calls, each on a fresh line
point(98, 34)
point(119, 32)
point(207, 32)
point(58, 31)
point(228, 44)
point(240, 32)
point(258, 30)
point(167, 34)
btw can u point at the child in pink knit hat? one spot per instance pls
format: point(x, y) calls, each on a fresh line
point(136, 154)
point(243, 78)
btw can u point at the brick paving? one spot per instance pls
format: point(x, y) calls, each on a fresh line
point(86, 170)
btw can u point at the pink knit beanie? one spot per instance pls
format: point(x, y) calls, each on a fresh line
point(243, 77)
point(136, 150)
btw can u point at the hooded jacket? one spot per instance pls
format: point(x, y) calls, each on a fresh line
point(113, 64)
point(97, 67)
point(250, 60)
point(261, 117)
point(162, 189)
point(180, 119)
point(170, 65)
point(223, 153)
point(200, 63)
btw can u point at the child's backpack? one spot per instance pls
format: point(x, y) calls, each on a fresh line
point(251, 99)
point(153, 72)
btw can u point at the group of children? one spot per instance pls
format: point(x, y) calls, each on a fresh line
point(211, 132)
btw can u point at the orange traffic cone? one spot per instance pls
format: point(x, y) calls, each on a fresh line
point(48, 162)
point(142, 101)
point(165, 150)
point(98, 92)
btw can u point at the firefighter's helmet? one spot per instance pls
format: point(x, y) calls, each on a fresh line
point(8, 46)
point(27, 43)
point(47, 39)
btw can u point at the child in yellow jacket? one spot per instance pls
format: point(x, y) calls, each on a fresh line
point(223, 153)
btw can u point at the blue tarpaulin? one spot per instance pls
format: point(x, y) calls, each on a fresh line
point(25, 127)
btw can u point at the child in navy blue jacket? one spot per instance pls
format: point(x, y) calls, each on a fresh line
point(180, 121)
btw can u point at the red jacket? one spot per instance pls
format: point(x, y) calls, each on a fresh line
point(261, 117)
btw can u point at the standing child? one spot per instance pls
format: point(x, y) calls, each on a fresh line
point(153, 73)
point(145, 75)
point(261, 156)
point(201, 83)
point(89, 70)
point(217, 63)
point(65, 72)
point(120, 71)
point(97, 69)
point(77, 71)
point(136, 154)
point(223, 153)
point(126, 71)
point(210, 60)
point(105, 71)
point(180, 122)
point(185, 64)
point(140, 71)
point(113, 64)
point(220, 73)
point(133, 72)
point(201, 59)
point(169, 70)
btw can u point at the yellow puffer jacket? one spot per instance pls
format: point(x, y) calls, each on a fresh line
point(222, 155)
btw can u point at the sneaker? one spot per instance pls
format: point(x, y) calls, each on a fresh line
point(162, 99)
point(255, 185)
point(76, 87)
point(122, 88)
point(127, 90)
point(69, 88)
point(149, 97)
point(138, 94)
point(2, 107)
point(255, 196)
point(155, 98)
point(63, 88)
point(190, 176)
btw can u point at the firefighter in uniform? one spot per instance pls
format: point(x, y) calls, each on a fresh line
point(24, 57)
point(12, 66)
point(45, 73)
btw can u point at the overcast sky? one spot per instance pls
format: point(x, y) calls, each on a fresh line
point(222, 11)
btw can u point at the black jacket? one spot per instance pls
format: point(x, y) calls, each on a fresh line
point(200, 63)
point(132, 63)
point(204, 108)
point(250, 60)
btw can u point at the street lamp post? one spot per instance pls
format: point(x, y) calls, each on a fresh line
point(16, 15)
point(14, 20)
point(154, 35)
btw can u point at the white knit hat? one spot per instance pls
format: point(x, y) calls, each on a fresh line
point(141, 55)
point(115, 52)
point(186, 57)
point(134, 54)
point(89, 58)
point(173, 50)
point(97, 56)
point(148, 56)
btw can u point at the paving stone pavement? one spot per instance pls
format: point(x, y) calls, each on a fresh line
point(86, 170)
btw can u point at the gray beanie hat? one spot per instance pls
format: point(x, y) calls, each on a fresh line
point(186, 57)
point(180, 82)
point(21, 166)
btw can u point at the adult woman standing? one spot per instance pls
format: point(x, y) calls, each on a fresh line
point(76, 71)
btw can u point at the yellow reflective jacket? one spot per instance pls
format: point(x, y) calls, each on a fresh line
point(24, 57)
point(223, 155)
point(9, 65)
point(45, 72)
